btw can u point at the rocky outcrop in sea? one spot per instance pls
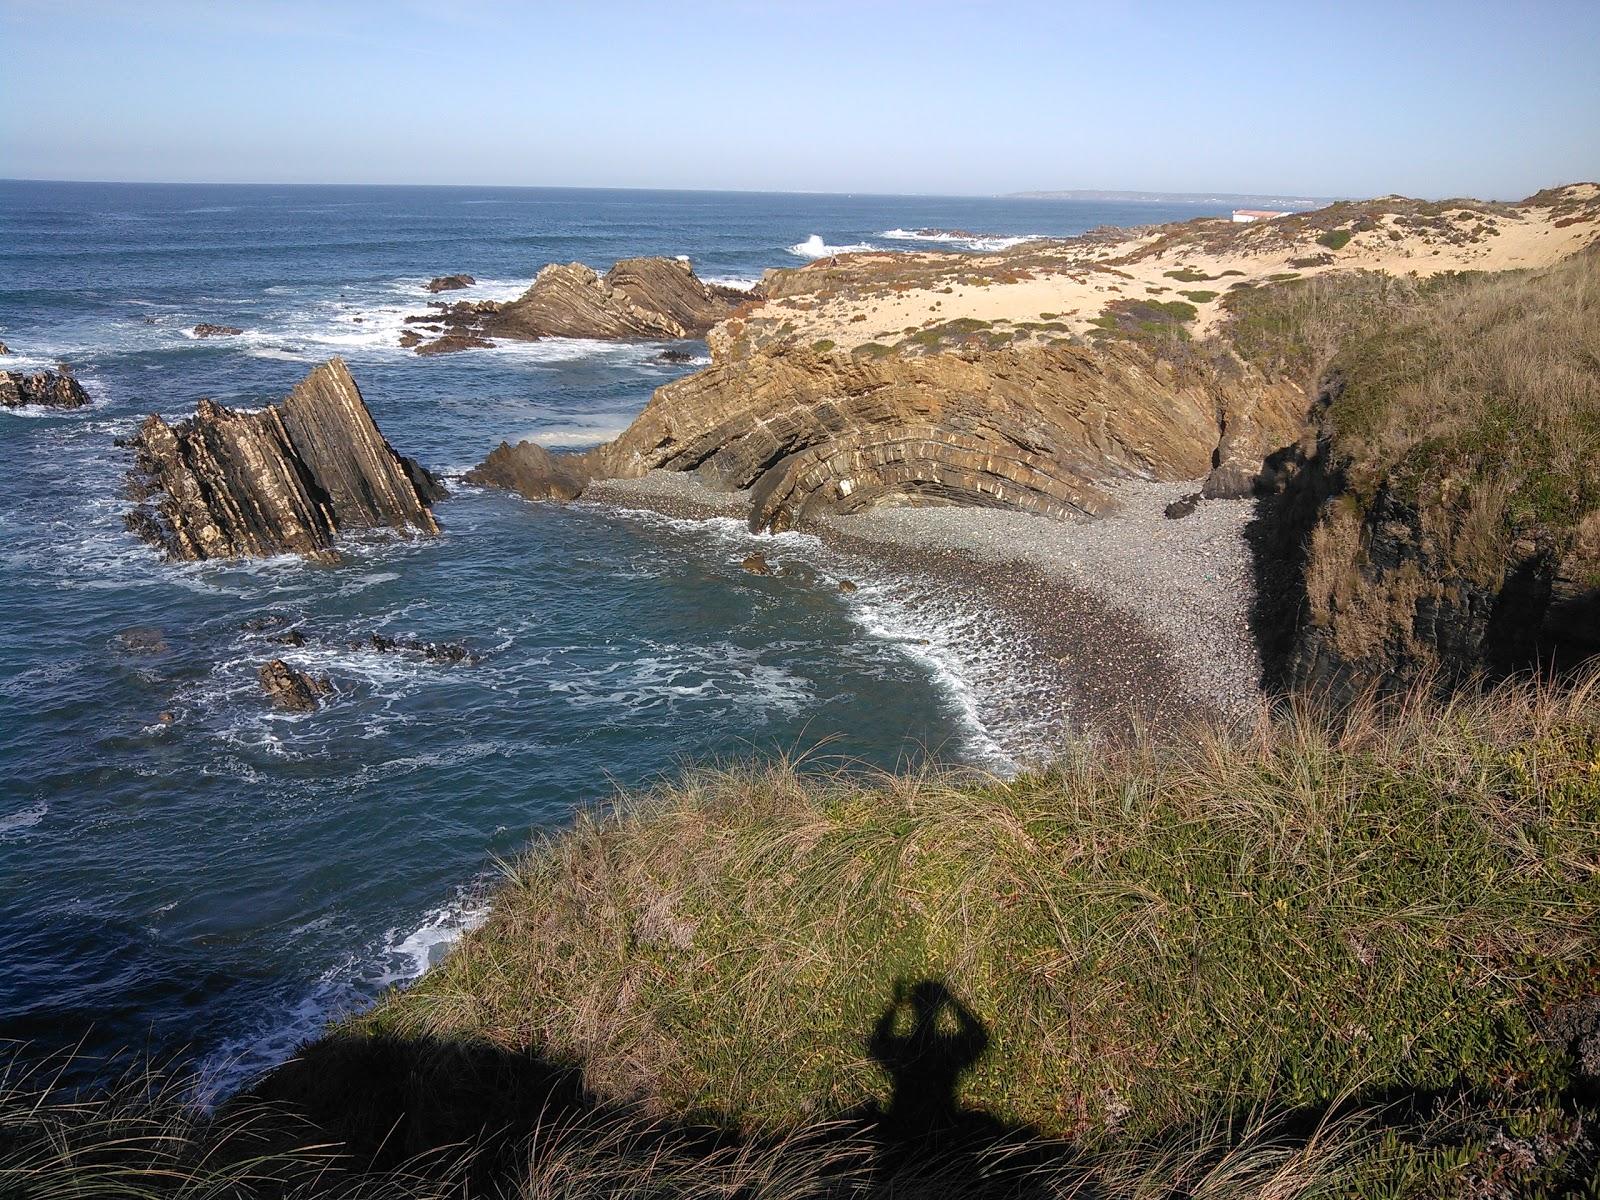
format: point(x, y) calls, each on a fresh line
point(288, 478)
point(638, 298)
point(47, 389)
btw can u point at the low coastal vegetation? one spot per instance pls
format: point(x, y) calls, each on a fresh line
point(1343, 954)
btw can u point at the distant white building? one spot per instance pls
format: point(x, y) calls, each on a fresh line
point(1243, 216)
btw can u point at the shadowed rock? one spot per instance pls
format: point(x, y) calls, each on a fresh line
point(450, 283)
point(47, 389)
point(287, 478)
point(205, 330)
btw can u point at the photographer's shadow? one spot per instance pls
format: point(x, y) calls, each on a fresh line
point(926, 1040)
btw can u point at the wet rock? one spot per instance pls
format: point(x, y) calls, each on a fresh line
point(532, 472)
point(205, 330)
point(637, 298)
point(447, 653)
point(410, 338)
point(142, 639)
point(846, 586)
point(673, 356)
point(454, 343)
point(1183, 507)
point(288, 478)
point(292, 638)
point(165, 717)
point(263, 622)
point(450, 283)
point(47, 389)
point(757, 564)
point(4, 349)
point(292, 690)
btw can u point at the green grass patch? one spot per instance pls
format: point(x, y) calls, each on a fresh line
point(1200, 297)
point(1152, 936)
point(1335, 239)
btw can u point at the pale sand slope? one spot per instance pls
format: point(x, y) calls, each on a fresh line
point(857, 299)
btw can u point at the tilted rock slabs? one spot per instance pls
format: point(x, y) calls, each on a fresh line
point(1037, 428)
point(284, 479)
point(639, 298)
point(47, 389)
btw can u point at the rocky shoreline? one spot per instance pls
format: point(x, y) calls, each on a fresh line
point(1126, 620)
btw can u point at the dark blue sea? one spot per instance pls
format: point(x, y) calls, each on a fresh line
point(221, 885)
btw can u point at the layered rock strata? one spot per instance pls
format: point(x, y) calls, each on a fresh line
point(47, 389)
point(288, 478)
point(1035, 428)
point(642, 298)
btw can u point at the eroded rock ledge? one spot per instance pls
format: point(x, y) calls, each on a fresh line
point(643, 298)
point(287, 478)
point(1035, 428)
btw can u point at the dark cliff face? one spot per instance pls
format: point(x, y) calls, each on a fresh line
point(1383, 591)
point(286, 479)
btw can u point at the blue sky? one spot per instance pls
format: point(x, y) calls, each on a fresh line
point(1357, 98)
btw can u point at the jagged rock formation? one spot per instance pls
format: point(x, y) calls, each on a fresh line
point(1035, 428)
point(642, 298)
point(450, 283)
point(47, 389)
point(286, 478)
point(292, 690)
point(205, 330)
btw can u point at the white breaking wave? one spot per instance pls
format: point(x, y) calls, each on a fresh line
point(736, 283)
point(968, 241)
point(815, 247)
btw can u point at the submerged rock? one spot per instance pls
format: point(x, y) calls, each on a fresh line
point(673, 356)
point(290, 689)
point(532, 472)
point(142, 639)
point(434, 652)
point(450, 283)
point(757, 564)
point(205, 329)
point(288, 478)
point(846, 586)
point(47, 389)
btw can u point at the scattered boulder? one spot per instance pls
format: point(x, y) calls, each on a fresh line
point(292, 637)
point(674, 356)
point(292, 690)
point(450, 283)
point(263, 622)
point(532, 472)
point(1183, 508)
point(287, 478)
point(205, 330)
point(757, 564)
point(846, 586)
point(47, 389)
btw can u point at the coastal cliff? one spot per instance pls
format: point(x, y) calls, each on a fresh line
point(1441, 517)
point(1026, 379)
point(288, 478)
